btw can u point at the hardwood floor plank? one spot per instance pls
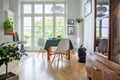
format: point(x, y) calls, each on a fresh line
point(38, 68)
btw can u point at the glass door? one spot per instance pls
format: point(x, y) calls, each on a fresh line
point(38, 21)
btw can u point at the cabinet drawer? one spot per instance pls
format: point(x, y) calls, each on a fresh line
point(97, 73)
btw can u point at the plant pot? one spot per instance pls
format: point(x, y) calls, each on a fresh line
point(8, 31)
point(13, 78)
point(3, 76)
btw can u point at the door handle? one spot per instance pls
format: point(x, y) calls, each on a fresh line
point(95, 68)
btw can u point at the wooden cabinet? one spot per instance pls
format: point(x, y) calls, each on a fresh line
point(96, 70)
point(115, 31)
point(104, 62)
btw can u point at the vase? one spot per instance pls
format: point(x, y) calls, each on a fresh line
point(78, 27)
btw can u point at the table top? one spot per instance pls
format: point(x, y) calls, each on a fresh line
point(55, 42)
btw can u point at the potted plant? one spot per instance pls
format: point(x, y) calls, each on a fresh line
point(79, 20)
point(59, 37)
point(8, 53)
point(8, 24)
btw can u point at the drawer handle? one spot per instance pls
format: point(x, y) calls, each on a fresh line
point(95, 68)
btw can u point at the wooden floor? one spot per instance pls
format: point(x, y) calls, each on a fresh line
point(38, 68)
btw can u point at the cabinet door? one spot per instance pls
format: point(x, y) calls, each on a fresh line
point(89, 67)
point(111, 76)
point(101, 44)
point(97, 73)
point(115, 31)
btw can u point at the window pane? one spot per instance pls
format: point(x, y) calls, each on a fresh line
point(27, 21)
point(48, 27)
point(48, 21)
point(27, 35)
point(48, 8)
point(27, 9)
point(97, 24)
point(38, 9)
point(97, 32)
point(38, 29)
point(38, 34)
point(105, 22)
point(60, 26)
point(38, 21)
point(104, 32)
point(27, 30)
point(102, 28)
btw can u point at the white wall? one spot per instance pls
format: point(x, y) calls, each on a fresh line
point(88, 28)
point(1, 20)
point(73, 7)
point(10, 14)
point(4, 6)
point(73, 12)
point(13, 6)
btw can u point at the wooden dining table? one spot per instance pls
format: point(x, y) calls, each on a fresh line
point(55, 42)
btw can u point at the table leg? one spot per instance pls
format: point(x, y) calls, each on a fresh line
point(49, 51)
point(68, 54)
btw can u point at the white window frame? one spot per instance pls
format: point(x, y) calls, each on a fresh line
point(41, 15)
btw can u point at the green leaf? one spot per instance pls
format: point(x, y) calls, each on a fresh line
point(79, 20)
point(4, 52)
point(8, 24)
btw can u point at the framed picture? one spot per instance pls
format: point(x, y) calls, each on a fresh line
point(70, 21)
point(88, 8)
point(71, 30)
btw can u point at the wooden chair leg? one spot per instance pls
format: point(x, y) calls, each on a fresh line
point(39, 51)
point(67, 59)
point(58, 61)
point(53, 59)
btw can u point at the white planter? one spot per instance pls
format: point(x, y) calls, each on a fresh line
point(78, 27)
point(79, 34)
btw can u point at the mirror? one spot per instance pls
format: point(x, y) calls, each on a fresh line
point(102, 27)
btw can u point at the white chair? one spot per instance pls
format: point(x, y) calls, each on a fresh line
point(62, 50)
point(41, 44)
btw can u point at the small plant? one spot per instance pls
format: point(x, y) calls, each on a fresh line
point(8, 24)
point(59, 37)
point(79, 20)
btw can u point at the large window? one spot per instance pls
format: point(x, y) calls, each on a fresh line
point(38, 21)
